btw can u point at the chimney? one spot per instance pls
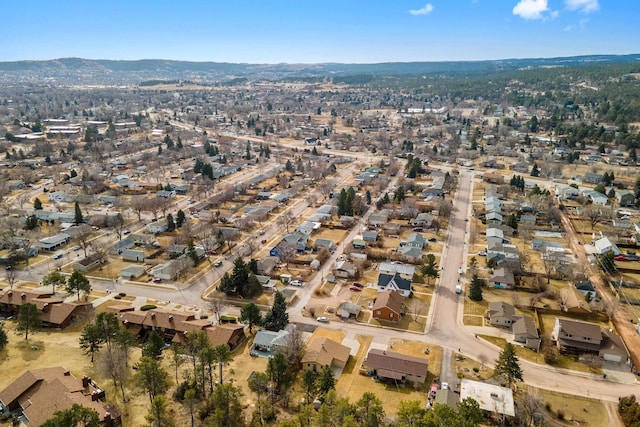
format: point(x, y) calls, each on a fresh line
point(23, 295)
point(153, 315)
point(171, 317)
point(85, 381)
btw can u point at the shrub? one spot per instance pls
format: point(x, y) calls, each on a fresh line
point(228, 319)
point(476, 369)
point(117, 297)
point(122, 294)
point(147, 307)
point(560, 414)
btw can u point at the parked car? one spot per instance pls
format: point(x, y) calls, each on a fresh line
point(444, 385)
point(621, 258)
point(218, 263)
point(417, 229)
point(432, 239)
point(358, 285)
point(57, 256)
point(261, 232)
point(482, 253)
point(355, 289)
point(322, 319)
point(296, 283)
point(264, 241)
point(157, 280)
point(126, 232)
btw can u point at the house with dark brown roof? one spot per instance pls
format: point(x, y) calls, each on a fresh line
point(231, 334)
point(174, 325)
point(397, 367)
point(388, 306)
point(37, 394)
point(321, 352)
point(572, 336)
point(54, 311)
point(525, 332)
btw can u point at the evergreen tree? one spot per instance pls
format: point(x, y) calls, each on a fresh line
point(326, 381)
point(475, 290)
point(535, 171)
point(77, 415)
point(31, 223)
point(91, 340)
point(28, 318)
point(171, 225)
point(37, 204)
point(180, 218)
point(368, 197)
point(4, 338)
point(277, 318)
point(78, 214)
point(77, 283)
point(430, 268)
point(250, 313)
point(151, 377)
point(508, 366)
point(154, 345)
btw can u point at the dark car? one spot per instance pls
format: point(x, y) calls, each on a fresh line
point(358, 285)
point(355, 289)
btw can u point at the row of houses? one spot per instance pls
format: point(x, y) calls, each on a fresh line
point(173, 325)
point(55, 312)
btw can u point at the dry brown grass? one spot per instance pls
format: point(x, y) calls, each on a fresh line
point(581, 410)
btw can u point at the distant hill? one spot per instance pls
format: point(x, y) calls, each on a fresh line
point(89, 71)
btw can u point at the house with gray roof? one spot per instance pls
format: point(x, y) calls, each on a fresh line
point(395, 282)
point(267, 343)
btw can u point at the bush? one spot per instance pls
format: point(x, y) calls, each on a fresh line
point(228, 319)
point(476, 369)
point(560, 414)
point(117, 297)
point(147, 307)
point(122, 294)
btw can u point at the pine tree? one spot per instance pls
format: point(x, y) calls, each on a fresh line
point(171, 225)
point(277, 318)
point(78, 214)
point(180, 218)
point(507, 365)
point(535, 171)
point(475, 291)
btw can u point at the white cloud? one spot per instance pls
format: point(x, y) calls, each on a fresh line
point(586, 6)
point(568, 28)
point(531, 9)
point(427, 9)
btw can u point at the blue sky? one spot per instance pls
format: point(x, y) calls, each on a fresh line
point(308, 31)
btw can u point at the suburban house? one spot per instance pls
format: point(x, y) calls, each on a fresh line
point(135, 255)
point(494, 218)
point(527, 219)
point(586, 288)
point(132, 272)
point(345, 269)
point(54, 311)
point(321, 352)
point(267, 283)
point(396, 367)
point(347, 310)
point(37, 394)
point(501, 314)
point(324, 243)
point(410, 253)
point(173, 325)
point(415, 240)
point(604, 245)
point(378, 219)
point(89, 263)
point(388, 306)
point(572, 336)
point(159, 226)
point(359, 243)
point(370, 236)
point(226, 333)
point(406, 271)
point(495, 235)
point(395, 282)
point(423, 219)
point(54, 242)
point(540, 244)
point(267, 343)
point(625, 198)
point(165, 271)
point(523, 327)
point(572, 300)
point(502, 278)
point(525, 332)
point(490, 398)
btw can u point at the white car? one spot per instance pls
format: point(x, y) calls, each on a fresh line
point(296, 283)
point(322, 319)
point(444, 386)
